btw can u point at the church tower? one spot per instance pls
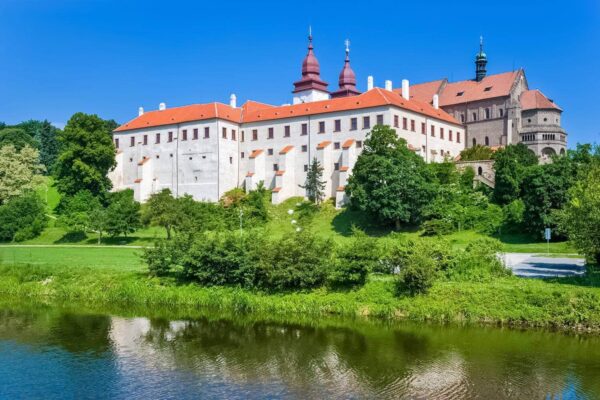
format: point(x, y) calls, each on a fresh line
point(310, 87)
point(480, 62)
point(347, 80)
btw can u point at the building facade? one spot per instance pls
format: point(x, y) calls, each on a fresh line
point(207, 149)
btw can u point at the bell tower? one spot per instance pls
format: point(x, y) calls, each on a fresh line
point(480, 62)
point(310, 87)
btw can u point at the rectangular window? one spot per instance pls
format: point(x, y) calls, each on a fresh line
point(337, 125)
point(366, 123)
point(206, 132)
point(233, 134)
point(275, 167)
point(423, 129)
point(380, 119)
point(358, 144)
point(305, 167)
point(132, 142)
point(450, 135)
point(405, 123)
point(321, 126)
point(270, 152)
point(157, 138)
point(336, 166)
point(353, 124)
point(117, 143)
point(304, 148)
point(304, 129)
point(184, 134)
point(396, 121)
point(286, 131)
point(224, 134)
point(230, 160)
point(170, 136)
point(432, 130)
point(195, 137)
point(243, 136)
point(441, 133)
point(457, 137)
point(412, 125)
point(242, 154)
point(271, 134)
point(254, 134)
point(336, 145)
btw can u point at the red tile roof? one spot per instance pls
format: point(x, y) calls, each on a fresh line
point(348, 143)
point(255, 153)
point(341, 188)
point(424, 92)
point(534, 99)
point(286, 149)
point(323, 144)
point(277, 189)
point(144, 160)
point(249, 174)
point(344, 169)
point(280, 172)
point(137, 180)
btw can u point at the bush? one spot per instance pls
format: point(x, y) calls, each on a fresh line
point(165, 256)
point(417, 276)
point(513, 216)
point(22, 218)
point(355, 260)
point(479, 262)
point(436, 227)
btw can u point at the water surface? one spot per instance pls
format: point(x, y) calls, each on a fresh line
point(52, 353)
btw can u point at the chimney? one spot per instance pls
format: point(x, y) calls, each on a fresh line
point(162, 106)
point(405, 90)
point(232, 100)
point(436, 101)
point(388, 85)
point(370, 82)
point(140, 111)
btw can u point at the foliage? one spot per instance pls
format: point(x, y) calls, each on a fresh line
point(513, 216)
point(479, 262)
point(417, 276)
point(17, 138)
point(354, 260)
point(19, 171)
point(22, 218)
point(122, 214)
point(76, 212)
point(164, 257)
point(161, 209)
point(510, 166)
point(314, 184)
point(466, 178)
point(445, 172)
point(477, 153)
point(389, 181)
point(581, 215)
point(86, 155)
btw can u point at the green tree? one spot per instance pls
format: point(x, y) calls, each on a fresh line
point(581, 215)
point(18, 138)
point(47, 136)
point(22, 217)
point(19, 171)
point(86, 156)
point(510, 165)
point(314, 184)
point(389, 181)
point(122, 213)
point(476, 153)
point(76, 212)
point(162, 210)
point(355, 260)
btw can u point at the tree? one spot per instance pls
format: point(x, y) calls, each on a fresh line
point(19, 171)
point(510, 165)
point(314, 186)
point(476, 153)
point(86, 156)
point(162, 209)
point(22, 217)
point(581, 215)
point(122, 213)
point(18, 138)
point(47, 136)
point(77, 212)
point(389, 181)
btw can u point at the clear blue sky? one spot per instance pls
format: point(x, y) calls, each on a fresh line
point(109, 57)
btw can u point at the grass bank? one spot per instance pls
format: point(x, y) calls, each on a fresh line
point(565, 304)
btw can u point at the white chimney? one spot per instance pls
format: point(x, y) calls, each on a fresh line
point(436, 101)
point(140, 111)
point(232, 100)
point(405, 91)
point(370, 82)
point(162, 106)
point(388, 85)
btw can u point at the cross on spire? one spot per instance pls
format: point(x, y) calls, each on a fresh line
point(347, 43)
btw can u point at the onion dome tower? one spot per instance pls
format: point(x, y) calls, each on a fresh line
point(480, 62)
point(347, 80)
point(310, 87)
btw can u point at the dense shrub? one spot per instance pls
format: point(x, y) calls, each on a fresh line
point(166, 256)
point(22, 218)
point(417, 276)
point(513, 216)
point(355, 260)
point(479, 261)
point(436, 227)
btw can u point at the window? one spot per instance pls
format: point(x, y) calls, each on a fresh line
point(305, 167)
point(353, 124)
point(304, 148)
point(157, 138)
point(432, 130)
point(396, 123)
point(529, 120)
point(404, 123)
point(206, 132)
point(501, 112)
point(487, 113)
point(195, 137)
point(366, 122)
point(487, 141)
point(132, 142)
point(286, 131)
point(224, 134)
point(336, 166)
point(117, 143)
point(474, 116)
point(321, 126)
point(442, 152)
point(336, 145)
point(450, 135)
point(479, 171)
point(423, 129)
point(184, 134)
point(233, 134)
point(460, 94)
point(457, 137)
point(358, 144)
point(337, 125)
point(380, 119)
point(230, 160)
point(243, 136)
point(487, 89)
point(441, 133)
point(545, 119)
point(270, 152)
point(242, 154)
point(275, 167)
point(170, 136)
point(254, 134)
point(474, 142)
point(462, 118)
point(304, 129)
point(270, 133)
point(412, 125)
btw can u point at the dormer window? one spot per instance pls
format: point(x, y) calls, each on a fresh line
point(460, 94)
point(487, 89)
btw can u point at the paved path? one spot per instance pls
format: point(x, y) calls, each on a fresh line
point(532, 265)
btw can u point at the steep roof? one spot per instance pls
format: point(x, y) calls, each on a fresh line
point(534, 99)
point(424, 91)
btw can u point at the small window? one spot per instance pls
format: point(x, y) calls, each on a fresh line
point(457, 137)
point(358, 144)
point(423, 128)
point(545, 119)
point(270, 152)
point(275, 167)
point(157, 138)
point(450, 135)
point(412, 125)
point(460, 94)
point(304, 129)
point(487, 113)
point(529, 120)
point(304, 148)
point(184, 134)
point(157, 156)
point(224, 134)
point(337, 125)
point(271, 133)
point(195, 137)
point(501, 112)
point(336, 166)
point(145, 140)
point(380, 119)
point(336, 145)
point(206, 132)
point(367, 122)
point(353, 124)
point(117, 143)
point(171, 155)
point(286, 131)
point(396, 123)
point(132, 142)
point(487, 89)
point(321, 126)
point(230, 160)
point(405, 123)
point(233, 134)
point(254, 134)
point(305, 167)
point(170, 136)
point(474, 116)
point(487, 141)
point(462, 117)
point(474, 142)
point(242, 155)
point(432, 131)
point(243, 136)
point(441, 133)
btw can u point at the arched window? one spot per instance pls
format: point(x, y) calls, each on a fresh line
point(487, 113)
point(487, 141)
point(479, 171)
point(474, 142)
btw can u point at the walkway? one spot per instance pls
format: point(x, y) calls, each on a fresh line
point(531, 265)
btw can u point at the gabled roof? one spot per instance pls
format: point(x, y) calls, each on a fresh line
point(535, 100)
point(424, 92)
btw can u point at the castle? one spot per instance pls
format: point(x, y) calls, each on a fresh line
point(207, 149)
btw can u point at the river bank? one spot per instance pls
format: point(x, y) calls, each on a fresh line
point(569, 304)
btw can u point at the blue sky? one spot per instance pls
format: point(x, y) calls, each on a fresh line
point(109, 57)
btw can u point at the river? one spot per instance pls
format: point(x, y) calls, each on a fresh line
point(51, 353)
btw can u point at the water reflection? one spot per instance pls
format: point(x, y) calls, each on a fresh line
point(214, 357)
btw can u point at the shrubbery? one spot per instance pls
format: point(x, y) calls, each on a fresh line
point(22, 218)
point(355, 260)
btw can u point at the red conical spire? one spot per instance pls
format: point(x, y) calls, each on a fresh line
point(347, 81)
point(311, 72)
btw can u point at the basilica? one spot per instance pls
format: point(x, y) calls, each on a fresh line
point(208, 149)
